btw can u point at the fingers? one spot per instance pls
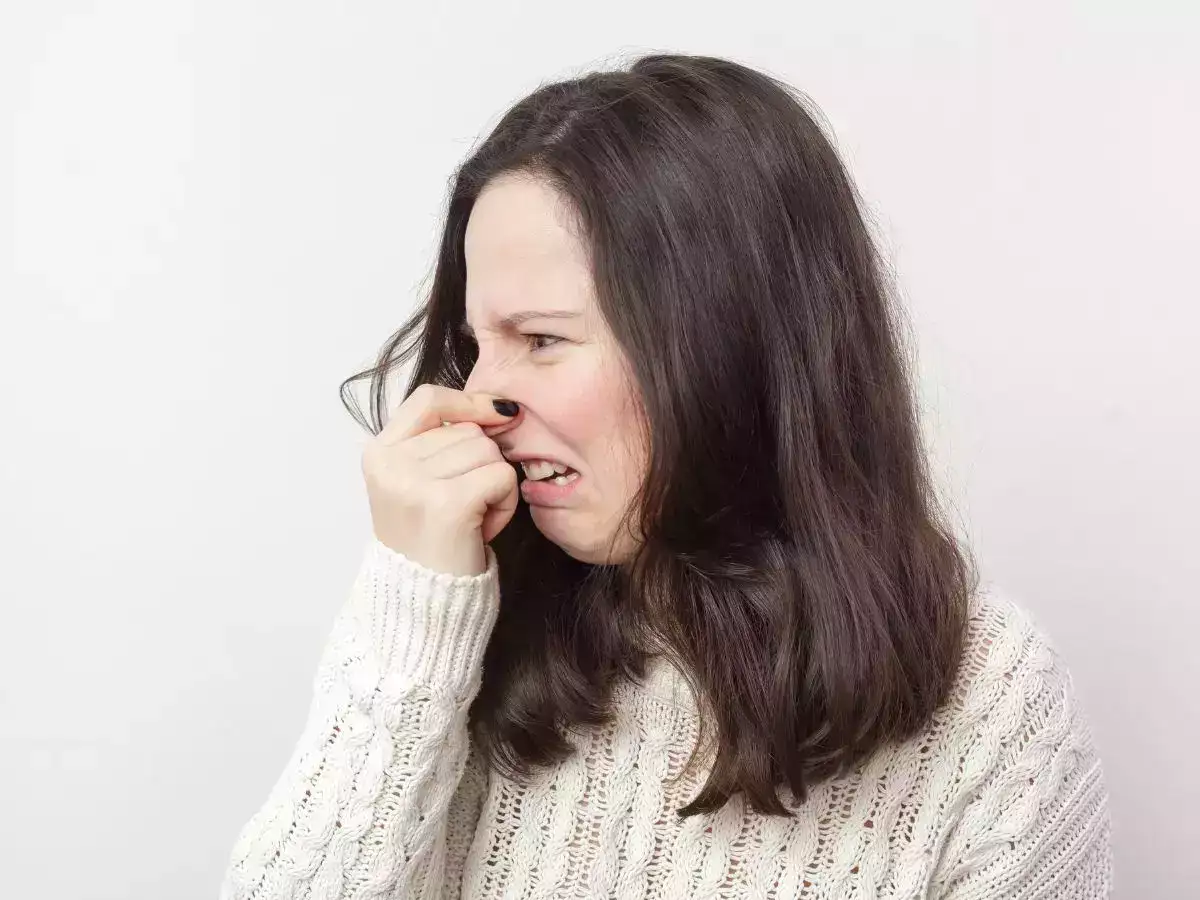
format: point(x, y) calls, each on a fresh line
point(497, 483)
point(462, 456)
point(430, 405)
point(435, 440)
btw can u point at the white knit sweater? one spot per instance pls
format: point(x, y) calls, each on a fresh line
point(1002, 795)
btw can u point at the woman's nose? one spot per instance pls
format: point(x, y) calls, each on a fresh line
point(488, 374)
point(489, 379)
point(477, 380)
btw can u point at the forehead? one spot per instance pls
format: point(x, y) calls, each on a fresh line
point(522, 251)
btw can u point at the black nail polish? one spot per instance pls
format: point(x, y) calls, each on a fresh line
point(506, 407)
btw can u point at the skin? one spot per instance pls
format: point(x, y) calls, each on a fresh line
point(578, 403)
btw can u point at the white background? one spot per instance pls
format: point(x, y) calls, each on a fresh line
point(218, 210)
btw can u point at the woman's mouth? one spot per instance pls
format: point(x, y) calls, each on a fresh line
point(547, 483)
point(544, 470)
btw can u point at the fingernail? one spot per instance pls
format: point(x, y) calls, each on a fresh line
point(506, 407)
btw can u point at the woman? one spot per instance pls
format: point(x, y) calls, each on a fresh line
point(658, 601)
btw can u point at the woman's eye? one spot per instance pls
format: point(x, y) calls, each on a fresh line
point(534, 339)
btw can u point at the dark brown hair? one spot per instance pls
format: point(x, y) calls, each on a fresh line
point(793, 562)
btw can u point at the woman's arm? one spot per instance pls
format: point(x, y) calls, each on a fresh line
point(370, 803)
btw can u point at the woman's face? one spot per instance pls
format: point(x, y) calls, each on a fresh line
point(530, 304)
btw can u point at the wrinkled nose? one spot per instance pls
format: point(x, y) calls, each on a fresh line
point(483, 378)
point(492, 372)
point(489, 378)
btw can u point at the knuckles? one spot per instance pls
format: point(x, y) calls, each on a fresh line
point(424, 395)
point(426, 502)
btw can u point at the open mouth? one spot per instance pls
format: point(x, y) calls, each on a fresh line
point(550, 473)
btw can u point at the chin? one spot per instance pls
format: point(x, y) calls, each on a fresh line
point(585, 548)
point(585, 553)
point(592, 556)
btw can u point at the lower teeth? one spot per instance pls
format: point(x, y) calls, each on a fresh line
point(564, 480)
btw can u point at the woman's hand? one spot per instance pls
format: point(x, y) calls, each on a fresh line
point(438, 492)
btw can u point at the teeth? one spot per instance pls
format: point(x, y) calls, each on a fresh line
point(540, 469)
point(537, 469)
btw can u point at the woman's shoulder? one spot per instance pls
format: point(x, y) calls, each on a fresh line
point(1006, 651)
point(1015, 759)
point(1009, 757)
point(1006, 654)
point(1012, 721)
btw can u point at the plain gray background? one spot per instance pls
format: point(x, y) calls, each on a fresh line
point(219, 210)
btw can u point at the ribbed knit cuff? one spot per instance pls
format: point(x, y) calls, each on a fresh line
point(427, 626)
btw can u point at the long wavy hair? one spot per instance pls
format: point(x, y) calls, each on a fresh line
point(792, 562)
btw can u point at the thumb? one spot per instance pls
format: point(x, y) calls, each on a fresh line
point(498, 515)
point(484, 409)
point(497, 413)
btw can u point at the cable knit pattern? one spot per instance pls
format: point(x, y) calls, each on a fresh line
point(1001, 796)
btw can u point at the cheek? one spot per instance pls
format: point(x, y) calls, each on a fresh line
point(600, 424)
point(584, 414)
point(591, 413)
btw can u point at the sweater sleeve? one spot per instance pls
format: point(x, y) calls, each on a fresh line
point(1035, 823)
point(373, 801)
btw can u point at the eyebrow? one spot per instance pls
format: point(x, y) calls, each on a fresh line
point(512, 320)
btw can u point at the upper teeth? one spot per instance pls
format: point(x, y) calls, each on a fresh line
point(537, 469)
